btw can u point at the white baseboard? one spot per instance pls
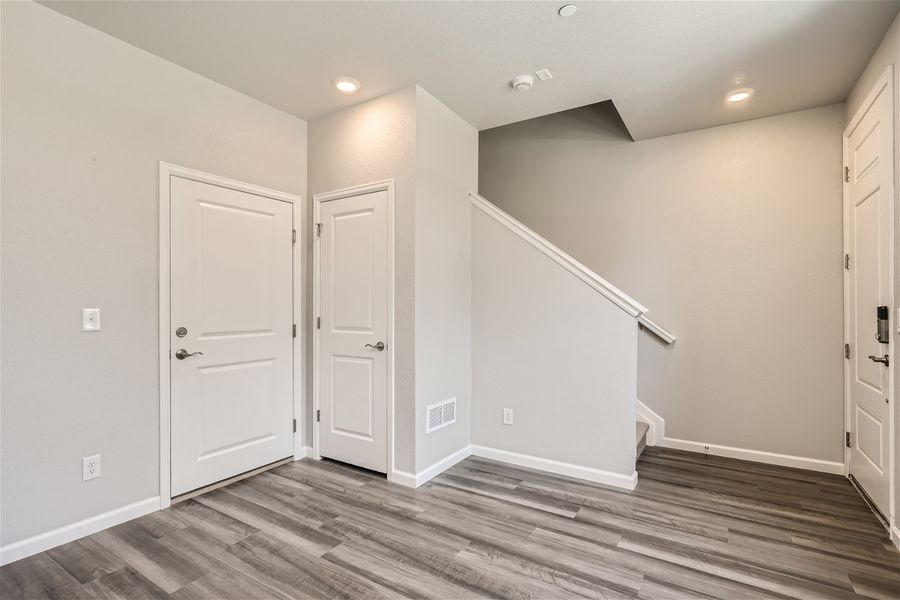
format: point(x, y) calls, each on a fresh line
point(895, 536)
point(402, 478)
point(657, 424)
point(620, 480)
point(67, 533)
point(303, 452)
point(771, 458)
point(442, 465)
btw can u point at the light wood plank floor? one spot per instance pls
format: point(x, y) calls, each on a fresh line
point(696, 527)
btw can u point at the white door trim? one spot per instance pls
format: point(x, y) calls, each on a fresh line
point(387, 186)
point(166, 172)
point(885, 83)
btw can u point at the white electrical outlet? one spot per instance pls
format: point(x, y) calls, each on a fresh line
point(90, 467)
point(90, 319)
point(507, 416)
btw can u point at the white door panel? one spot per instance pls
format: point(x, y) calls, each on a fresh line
point(870, 280)
point(353, 272)
point(231, 289)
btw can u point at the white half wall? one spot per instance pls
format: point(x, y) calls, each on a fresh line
point(558, 353)
point(86, 120)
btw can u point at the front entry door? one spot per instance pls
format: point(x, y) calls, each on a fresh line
point(869, 209)
point(353, 308)
point(231, 338)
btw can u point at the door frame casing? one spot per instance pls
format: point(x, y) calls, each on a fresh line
point(166, 172)
point(386, 185)
point(884, 84)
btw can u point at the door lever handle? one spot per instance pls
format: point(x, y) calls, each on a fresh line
point(379, 346)
point(183, 354)
point(885, 360)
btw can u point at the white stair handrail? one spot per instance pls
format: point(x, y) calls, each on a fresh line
point(645, 322)
point(614, 294)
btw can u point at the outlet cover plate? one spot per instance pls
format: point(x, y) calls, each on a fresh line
point(507, 416)
point(90, 467)
point(90, 319)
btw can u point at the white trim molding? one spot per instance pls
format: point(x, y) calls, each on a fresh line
point(771, 458)
point(429, 473)
point(611, 292)
point(166, 172)
point(657, 431)
point(619, 480)
point(302, 452)
point(895, 536)
point(403, 478)
point(656, 329)
point(73, 531)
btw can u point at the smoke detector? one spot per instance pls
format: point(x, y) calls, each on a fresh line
point(522, 83)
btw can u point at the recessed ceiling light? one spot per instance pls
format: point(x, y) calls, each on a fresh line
point(347, 85)
point(568, 10)
point(739, 95)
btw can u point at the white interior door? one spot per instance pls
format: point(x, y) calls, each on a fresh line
point(353, 332)
point(231, 292)
point(869, 209)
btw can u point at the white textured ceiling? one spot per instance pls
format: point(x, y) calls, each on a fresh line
point(665, 65)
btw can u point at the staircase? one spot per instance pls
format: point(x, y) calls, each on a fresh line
point(509, 262)
point(641, 429)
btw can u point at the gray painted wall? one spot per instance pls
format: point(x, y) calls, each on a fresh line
point(888, 53)
point(572, 392)
point(731, 236)
point(446, 171)
point(86, 118)
point(369, 142)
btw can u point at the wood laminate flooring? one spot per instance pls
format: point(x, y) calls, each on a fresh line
point(695, 527)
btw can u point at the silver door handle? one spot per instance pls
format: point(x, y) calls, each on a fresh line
point(379, 346)
point(183, 354)
point(885, 360)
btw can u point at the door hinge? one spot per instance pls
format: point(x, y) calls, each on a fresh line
point(846, 350)
point(318, 415)
point(847, 440)
point(295, 330)
point(847, 174)
point(318, 230)
point(295, 425)
point(847, 261)
point(318, 322)
point(293, 236)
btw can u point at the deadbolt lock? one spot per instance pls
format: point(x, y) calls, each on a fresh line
point(181, 331)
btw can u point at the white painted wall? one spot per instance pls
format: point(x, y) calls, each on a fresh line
point(888, 53)
point(731, 236)
point(446, 171)
point(86, 118)
point(554, 350)
point(373, 141)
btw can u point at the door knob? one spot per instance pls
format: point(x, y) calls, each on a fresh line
point(379, 346)
point(183, 354)
point(885, 360)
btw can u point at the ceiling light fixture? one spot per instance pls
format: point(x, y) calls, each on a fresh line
point(739, 95)
point(347, 85)
point(568, 10)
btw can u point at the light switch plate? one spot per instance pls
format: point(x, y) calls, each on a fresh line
point(90, 319)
